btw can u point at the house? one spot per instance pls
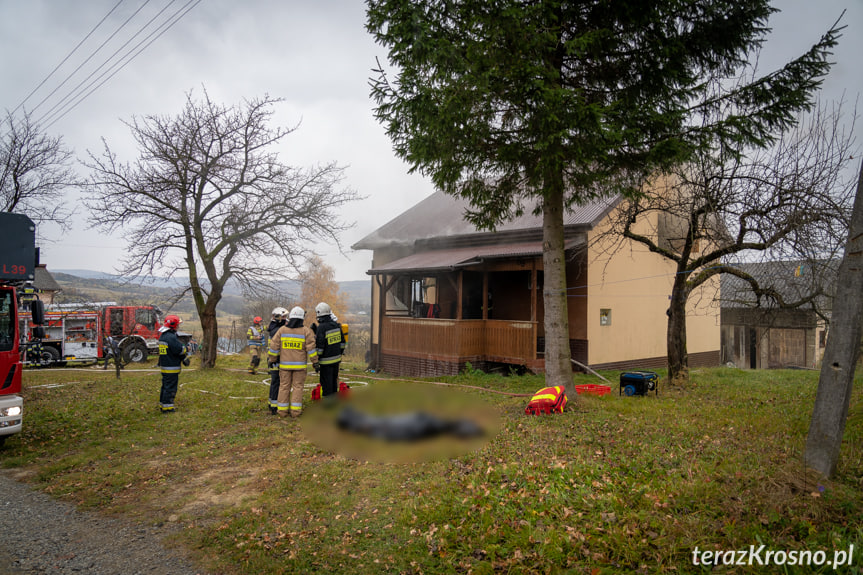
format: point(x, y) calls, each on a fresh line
point(445, 294)
point(766, 335)
point(43, 286)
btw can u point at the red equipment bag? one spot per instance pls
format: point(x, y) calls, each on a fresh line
point(344, 390)
point(547, 400)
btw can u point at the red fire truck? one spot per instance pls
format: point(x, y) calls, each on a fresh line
point(80, 332)
point(18, 260)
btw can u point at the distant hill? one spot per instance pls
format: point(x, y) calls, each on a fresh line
point(88, 285)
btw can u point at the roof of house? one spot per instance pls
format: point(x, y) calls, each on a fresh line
point(43, 280)
point(792, 279)
point(441, 215)
point(457, 257)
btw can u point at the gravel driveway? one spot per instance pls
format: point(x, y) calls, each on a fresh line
point(42, 535)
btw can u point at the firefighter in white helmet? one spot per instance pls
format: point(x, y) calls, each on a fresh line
point(280, 318)
point(330, 344)
point(293, 345)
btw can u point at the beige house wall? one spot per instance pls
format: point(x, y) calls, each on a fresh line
point(634, 285)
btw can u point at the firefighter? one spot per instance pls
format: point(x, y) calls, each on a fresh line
point(280, 317)
point(255, 337)
point(172, 357)
point(293, 346)
point(330, 344)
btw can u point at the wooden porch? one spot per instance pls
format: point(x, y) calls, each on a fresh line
point(459, 340)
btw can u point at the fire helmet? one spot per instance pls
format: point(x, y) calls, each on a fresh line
point(173, 322)
point(258, 319)
point(279, 312)
point(322, 309)
point(297, 313)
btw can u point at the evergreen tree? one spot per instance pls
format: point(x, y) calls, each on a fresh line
point(541, 105)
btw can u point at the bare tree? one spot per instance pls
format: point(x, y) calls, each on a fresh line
point(264, 303)
point(790, 200)
point(35, 172)
point(842, 353)
point(208, 197)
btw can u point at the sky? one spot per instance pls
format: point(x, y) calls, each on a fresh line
point(316, 56)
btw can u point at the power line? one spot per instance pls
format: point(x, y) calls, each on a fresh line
point(81, 91)
point(122, 62)
point(69, 55)
point(91, 56)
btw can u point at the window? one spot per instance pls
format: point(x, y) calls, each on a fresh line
point(414, 297)
point(605, 317)
point(145, 317)
point(7, 321)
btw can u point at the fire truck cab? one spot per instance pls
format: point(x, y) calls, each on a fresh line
point(18, 261)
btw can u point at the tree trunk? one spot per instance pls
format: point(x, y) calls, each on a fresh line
point(678, 358)
point(210, 344)
point(841, 354)
point(558, 369)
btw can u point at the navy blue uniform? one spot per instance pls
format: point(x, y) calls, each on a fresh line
point(329, 343)
point(172, 352)
point(273, 368)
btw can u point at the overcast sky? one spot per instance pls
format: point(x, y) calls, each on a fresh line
point(316, 55)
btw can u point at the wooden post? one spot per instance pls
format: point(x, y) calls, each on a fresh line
point(835, 384)
point(459, 314)
point(484, 295)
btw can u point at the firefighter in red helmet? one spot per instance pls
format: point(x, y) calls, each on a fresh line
point(255, 337)
point(172, 357)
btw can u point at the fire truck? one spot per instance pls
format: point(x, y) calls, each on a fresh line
point(18, 260)
point(80, 332)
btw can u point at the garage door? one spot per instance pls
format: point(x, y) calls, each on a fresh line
point(787, 348)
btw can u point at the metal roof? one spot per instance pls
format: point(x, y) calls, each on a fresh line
point(441, 215)
point(452, 258)
point(794, 280)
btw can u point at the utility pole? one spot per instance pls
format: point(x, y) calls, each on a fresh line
point(842, 352)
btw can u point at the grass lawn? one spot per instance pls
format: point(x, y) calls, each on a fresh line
point(614, 485)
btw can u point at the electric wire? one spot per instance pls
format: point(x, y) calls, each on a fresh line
point(140, 47)
point(90, 57)
point(69, 55)
point(81, 92)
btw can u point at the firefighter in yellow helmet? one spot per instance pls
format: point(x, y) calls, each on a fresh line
point(293, 345)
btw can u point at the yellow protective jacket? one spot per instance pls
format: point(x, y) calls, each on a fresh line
point(255, 336)
point(293, 347)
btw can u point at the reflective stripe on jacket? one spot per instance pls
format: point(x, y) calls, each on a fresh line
point(255, 336)
point(171, 352)
point(329, 342)
point(293, 347)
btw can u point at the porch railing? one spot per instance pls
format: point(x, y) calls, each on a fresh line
point(491, 340)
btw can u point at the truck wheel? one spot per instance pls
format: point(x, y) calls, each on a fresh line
point(49, 355)
point(135, 353)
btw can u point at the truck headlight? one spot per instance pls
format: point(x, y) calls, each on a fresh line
point(11, 411)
